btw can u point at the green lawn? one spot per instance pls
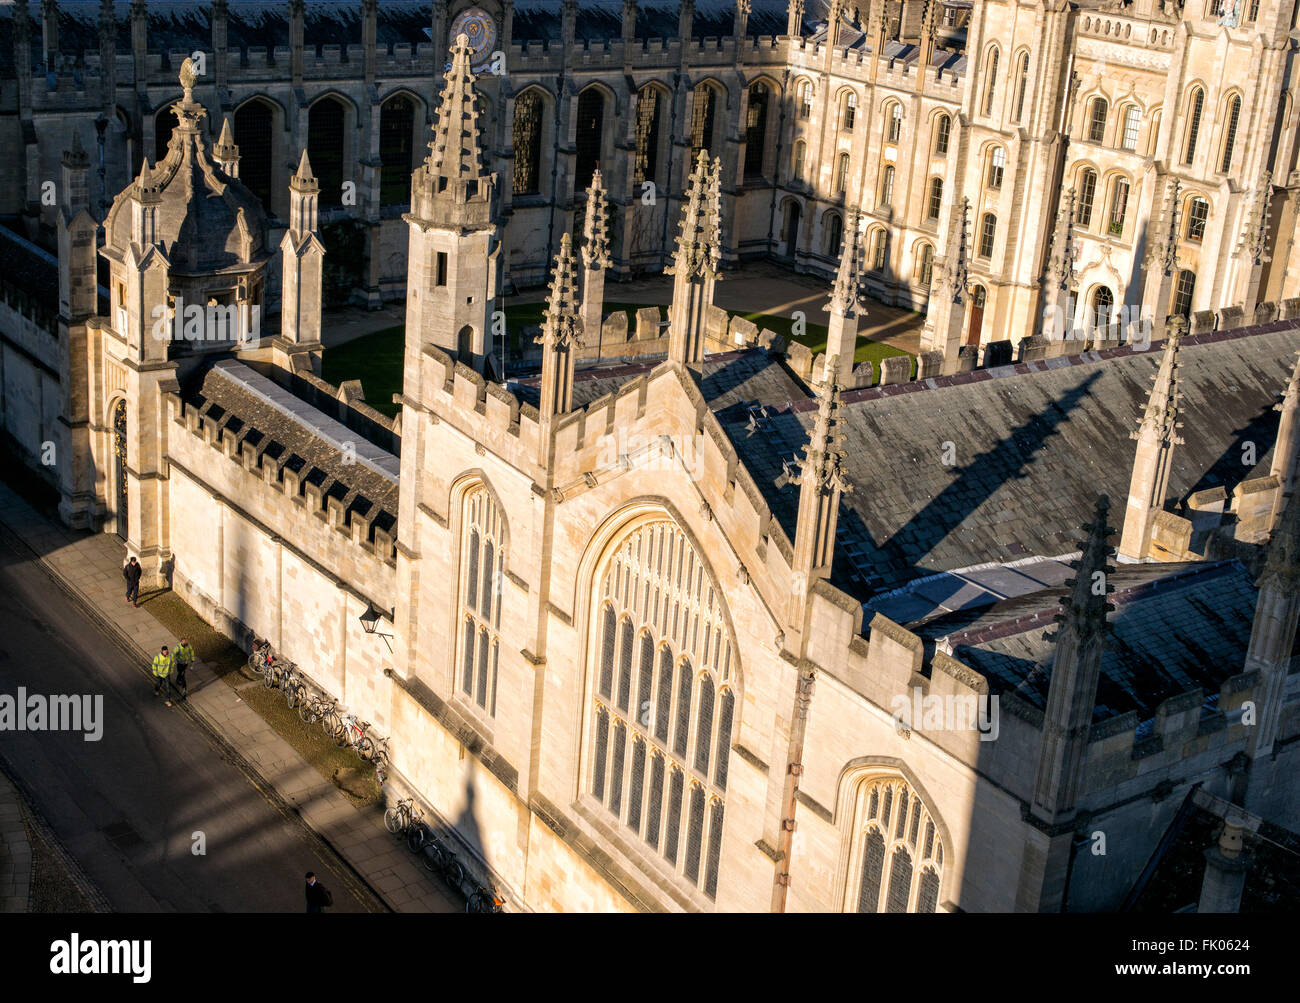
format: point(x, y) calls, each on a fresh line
point(376, 359)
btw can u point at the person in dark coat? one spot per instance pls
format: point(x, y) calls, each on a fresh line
point(131, 572)
point(318, 896)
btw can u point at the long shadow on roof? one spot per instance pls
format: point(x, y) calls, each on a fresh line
point(977, 480)
point(1230, 469)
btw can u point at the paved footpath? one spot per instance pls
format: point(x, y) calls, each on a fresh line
point(89, 567)
point(15, 851)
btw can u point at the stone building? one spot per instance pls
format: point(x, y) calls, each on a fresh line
point(705, 631)
point(1160, 134)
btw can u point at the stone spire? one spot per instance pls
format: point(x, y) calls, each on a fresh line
point(1161, 264)
point(946, 317)
point(226, 152)
point(847, 305)
point(452, 185)
point(1076, 667)
point(696, 262)
point(1061, 284)
point(302, 259)
point(595, 258)
point(1156, 438)
point(1286, 451)
point(1252, 248)
point(561, 335)
point(821, 485)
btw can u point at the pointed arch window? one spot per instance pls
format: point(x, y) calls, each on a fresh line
point(482, 572)
point(934, 199)
point(988, 234)
point(1118, 206)
point(1183, 291)
point(879, 248)
point(887, 186)
point(1230, 134)
point(925, 266)
point(805, 99)
point(649, 131)
point(896, 852)
point(1087, 196)
point(1099, 110)
point(1022, 86)
point(1198, 215)
point(942, 135)
point(997, 167)
point(527, 134)
point(842, 173)
point(895, 125)
point(800, 149)
point(1195, 109)
point(664, 699)
point(991, 82)
point(849, 113)
point(756, 129)
point(834, 234)
point(704, 109)
point(1132, 124)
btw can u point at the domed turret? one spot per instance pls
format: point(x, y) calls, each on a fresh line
point(203, 217)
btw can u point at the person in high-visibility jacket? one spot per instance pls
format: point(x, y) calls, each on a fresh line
point(162, 675)
point(183, 656)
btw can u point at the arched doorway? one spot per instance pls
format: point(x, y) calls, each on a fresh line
point(977, 301)
point(119, 467)
point(465, 344)
point(793, 213)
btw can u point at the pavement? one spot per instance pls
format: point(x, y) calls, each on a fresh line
point(128, 812)
point(15, 851)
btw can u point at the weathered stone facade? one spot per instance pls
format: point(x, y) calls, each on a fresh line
point(693, 635)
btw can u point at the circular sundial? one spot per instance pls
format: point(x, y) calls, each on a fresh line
point(479, 26)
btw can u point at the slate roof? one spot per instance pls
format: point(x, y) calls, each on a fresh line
point(1031, 451)
point(1176, 628)
point(732, 382)
point(256, 409)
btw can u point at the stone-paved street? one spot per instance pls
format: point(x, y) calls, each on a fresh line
point(126, 807)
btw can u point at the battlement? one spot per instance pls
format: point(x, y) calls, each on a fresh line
point(338, 491)
point(495, 417)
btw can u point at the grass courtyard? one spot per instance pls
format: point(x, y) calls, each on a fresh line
point(376, 359)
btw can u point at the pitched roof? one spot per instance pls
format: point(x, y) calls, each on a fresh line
point(1175, 628)
point(1030, 447)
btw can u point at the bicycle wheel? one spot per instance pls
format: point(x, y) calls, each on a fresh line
point(268, 677)
point(475, 902)
point(330, 723)
point(293, 693)
point(381, 759)
point(415, 837)
point(453, 872)
point(393, 820)
point(307, 711)
point(366, 748)
point(257, 661)
point(343, 737)
point(432, 857)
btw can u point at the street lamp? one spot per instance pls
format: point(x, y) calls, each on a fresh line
point(370, 621)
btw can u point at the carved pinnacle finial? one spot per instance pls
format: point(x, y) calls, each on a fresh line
point(595, 226)
point(1282, 564)
point(1085, 608)
point(699, 241)
point(846, 294)
point(1161, 414)
point(561, 324)
point(822, 465)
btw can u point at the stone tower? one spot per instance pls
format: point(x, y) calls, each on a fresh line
point(847, 306)
point(1071, 698)
point(696, 263)
point(1286, 451)
point(1156, 438)
point(302, 257)
point(451, 278)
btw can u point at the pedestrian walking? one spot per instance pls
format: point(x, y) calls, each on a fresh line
point(318, 896)
point(183, 656)
point(162, 674)
point(131, 572)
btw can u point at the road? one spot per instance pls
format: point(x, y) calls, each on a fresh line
point(128, 807)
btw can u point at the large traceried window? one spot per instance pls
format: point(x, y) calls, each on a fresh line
point(482, 547)
point(896, 861)
point(665, 701)
point(528, 143)
point(649, 127)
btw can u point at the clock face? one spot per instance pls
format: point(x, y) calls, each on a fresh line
point(478, 25)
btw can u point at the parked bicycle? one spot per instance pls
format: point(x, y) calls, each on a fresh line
point(353, 732)
point(313, 706)
point(484, 900)
point(438, 856)
point(260, 656)
point(402, 816)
